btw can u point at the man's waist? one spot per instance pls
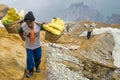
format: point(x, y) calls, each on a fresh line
point(33, 47)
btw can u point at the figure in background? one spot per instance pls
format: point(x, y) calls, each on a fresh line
point(89, 29)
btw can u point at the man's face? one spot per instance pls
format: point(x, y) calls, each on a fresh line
point(30, 24)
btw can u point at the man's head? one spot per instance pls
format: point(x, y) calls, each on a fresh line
point(29, 19)
point(55, 18)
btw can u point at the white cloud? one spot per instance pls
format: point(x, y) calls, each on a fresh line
point(50, 8)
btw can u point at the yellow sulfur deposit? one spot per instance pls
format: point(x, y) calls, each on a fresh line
point(52, 30)
point(56, 26)
point(12, 15)
point(21, 14)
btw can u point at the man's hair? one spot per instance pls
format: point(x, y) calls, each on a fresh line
point(29, 17)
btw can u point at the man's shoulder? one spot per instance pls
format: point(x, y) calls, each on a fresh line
point(37, 26)
point(38, 23)
point(23, 24)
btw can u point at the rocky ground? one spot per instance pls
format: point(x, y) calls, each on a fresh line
point(66, 57)
point(3, 10)
point(89, 59)
point(12, 53)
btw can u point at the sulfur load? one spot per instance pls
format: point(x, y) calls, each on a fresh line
point(56, 26)
point(12, 16)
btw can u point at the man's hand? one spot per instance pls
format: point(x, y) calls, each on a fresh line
point(23, 38)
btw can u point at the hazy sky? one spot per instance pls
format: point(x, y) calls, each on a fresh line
point(46, 9)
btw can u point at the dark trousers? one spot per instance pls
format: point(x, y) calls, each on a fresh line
point(88, 34)
point(33, 58)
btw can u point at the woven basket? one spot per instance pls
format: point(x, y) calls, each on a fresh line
point(51, 37)
point(13, 27)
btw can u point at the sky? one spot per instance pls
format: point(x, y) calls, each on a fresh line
point(46, 9)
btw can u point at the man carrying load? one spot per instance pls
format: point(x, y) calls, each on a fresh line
point(29, 32)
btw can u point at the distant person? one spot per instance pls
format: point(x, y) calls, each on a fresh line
point(29, 32)
point(89, 29)
point(55, 18)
